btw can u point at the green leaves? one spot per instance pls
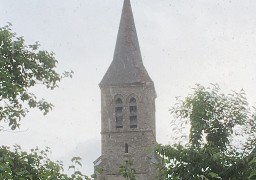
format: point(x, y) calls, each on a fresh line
point(209, 154)
point(21, 68)
point(127, 171)
point(35, 165)
point(213, 114)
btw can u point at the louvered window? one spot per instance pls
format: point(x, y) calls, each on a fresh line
point(119, 113)
point(133, 113)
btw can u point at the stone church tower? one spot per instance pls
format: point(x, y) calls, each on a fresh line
point(128, 95)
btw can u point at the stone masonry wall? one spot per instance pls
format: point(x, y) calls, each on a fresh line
point(140, 140)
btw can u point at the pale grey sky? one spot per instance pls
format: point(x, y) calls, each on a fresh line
point(183, 42)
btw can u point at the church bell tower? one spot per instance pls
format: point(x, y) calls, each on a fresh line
point(128, 131)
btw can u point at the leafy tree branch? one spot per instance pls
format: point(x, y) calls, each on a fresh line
point(21, 68)
point(209, 153)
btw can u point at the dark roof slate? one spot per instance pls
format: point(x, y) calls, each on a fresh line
point(127, 66)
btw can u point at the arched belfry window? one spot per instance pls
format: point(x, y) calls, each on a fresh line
point(119, 113)
point(133, 113)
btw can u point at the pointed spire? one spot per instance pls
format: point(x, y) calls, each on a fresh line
point(127, 66)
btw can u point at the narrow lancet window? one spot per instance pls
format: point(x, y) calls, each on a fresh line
point(133, 113)
point(119, 113)
point(126, 148)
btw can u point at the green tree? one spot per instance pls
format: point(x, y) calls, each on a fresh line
point(22, 67)
point(127, 171)
point(36, 165)
point(210, 154)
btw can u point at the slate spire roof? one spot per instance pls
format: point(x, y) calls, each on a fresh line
point(127, 67)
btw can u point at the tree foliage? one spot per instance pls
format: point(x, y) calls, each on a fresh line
point(36, 165)
point(21, 68)
point(213, 118)
point(127, 171)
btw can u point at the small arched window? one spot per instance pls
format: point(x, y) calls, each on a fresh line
point(119, 113)
point(133, 113)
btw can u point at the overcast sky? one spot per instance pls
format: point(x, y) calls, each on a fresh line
point(183, 42)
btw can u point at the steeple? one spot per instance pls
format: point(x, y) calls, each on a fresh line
point(127, 67)
point(128, 127)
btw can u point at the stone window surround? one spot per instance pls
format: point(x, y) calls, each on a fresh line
point(125, 106)
point(119, 106)
point(133, 112)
